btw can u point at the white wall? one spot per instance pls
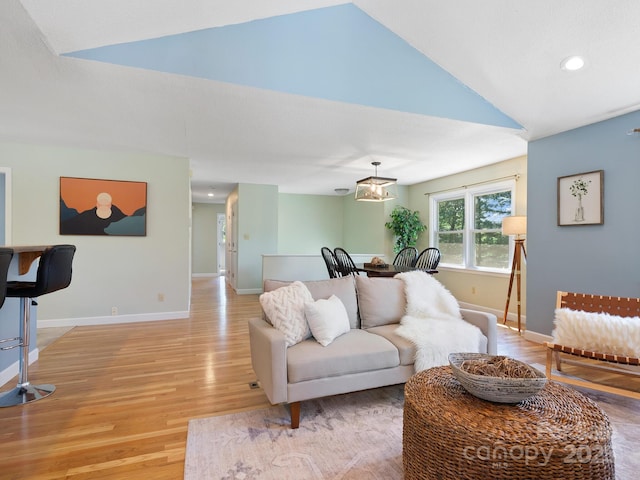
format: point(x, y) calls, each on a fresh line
point(129, 273)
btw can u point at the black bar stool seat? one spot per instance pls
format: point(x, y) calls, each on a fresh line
point(54, 273)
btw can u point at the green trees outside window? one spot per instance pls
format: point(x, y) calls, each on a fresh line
point(469, 229)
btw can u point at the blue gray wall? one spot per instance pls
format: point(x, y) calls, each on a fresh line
point(600, 259)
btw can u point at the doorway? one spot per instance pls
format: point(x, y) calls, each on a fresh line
point(222, 242)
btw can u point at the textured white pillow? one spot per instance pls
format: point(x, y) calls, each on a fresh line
point(327, 318)
point(597, 332)
point(285, 308)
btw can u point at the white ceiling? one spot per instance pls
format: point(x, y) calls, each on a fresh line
point(507, 51)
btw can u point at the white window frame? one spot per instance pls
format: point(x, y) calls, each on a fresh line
point(468, 194)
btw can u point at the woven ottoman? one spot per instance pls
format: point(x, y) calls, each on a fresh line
point(450, 434)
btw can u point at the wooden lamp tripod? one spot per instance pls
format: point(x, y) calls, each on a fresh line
point(515, 225)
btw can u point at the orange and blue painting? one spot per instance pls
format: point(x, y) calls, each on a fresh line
point(102, 207)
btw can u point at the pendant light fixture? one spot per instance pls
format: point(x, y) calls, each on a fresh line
point(375, 188)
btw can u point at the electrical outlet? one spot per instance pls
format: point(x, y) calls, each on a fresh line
point(114, 310)
point(161, 297)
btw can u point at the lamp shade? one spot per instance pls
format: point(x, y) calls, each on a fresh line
point(376, 189)
point(515, 225)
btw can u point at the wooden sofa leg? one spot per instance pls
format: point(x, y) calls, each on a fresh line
point(295, 414)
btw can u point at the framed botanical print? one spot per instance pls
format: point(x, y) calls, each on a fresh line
point(581, 199)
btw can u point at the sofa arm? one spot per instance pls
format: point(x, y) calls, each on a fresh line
point(269, 359)
point(487, 323)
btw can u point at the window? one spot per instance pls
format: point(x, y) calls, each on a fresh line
point(466, 225)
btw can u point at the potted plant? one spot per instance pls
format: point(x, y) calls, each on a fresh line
point(406, 226)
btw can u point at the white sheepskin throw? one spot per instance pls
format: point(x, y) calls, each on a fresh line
point(597, 332)
point(427, 297)
point(433, 322)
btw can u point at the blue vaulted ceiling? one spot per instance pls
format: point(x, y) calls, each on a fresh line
point(335, 53)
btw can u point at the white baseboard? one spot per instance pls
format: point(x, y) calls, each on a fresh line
point(248, 291)
point(12, 370)
point(497, 313)
point(528, 334)
point(537, 337)
point(112, 319)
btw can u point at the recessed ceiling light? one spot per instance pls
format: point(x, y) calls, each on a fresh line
point(210, 194)
point(572, 63)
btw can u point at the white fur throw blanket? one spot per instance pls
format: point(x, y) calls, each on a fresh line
point(597, 332)
point(433, 322)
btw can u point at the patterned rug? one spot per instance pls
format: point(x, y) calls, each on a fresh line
point(357, 436)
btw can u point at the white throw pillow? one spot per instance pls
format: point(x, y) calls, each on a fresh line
point(327, 318)
point(285, 308)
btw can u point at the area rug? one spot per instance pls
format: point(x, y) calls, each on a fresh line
point(356, 436)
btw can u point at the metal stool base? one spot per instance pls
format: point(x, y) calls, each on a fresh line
point(23, 394)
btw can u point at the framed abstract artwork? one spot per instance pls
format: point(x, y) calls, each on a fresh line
point(581, 199)
point(102, 207)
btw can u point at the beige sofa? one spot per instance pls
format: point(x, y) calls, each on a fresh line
point(370, 355)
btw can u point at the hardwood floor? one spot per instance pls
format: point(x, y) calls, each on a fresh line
point(125, 393)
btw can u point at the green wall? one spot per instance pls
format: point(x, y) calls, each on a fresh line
point(257, 232)
point(130, 273)
point(204, 237)
point(306, 223)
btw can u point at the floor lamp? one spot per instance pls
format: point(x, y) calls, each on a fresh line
point(515, 225)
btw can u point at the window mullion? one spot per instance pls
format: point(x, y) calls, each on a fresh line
point(468, 237)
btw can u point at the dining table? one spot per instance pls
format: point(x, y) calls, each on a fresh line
point(387, 270)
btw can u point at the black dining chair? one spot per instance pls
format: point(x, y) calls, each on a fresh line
point(346, 265)
point(331, 262)
point(428, 259)
point(406, 257)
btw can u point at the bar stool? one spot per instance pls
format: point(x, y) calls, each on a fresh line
point(54, 273)
point(6, 254)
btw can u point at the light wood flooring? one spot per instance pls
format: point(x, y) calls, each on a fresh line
point(125, 393)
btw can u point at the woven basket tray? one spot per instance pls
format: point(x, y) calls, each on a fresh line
point(496, 389)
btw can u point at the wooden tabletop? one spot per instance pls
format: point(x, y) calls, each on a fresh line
point(387, 270)
point(26, 255)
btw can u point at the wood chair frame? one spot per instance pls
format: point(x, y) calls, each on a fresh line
point(621, 306)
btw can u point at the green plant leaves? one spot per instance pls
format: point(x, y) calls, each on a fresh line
point(406, 226)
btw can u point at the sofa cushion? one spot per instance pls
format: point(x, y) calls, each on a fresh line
point(344, 288)
point(327, 319)
point(354, 352)
point(381, 300)
point(285, 307)
point(406, 349)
